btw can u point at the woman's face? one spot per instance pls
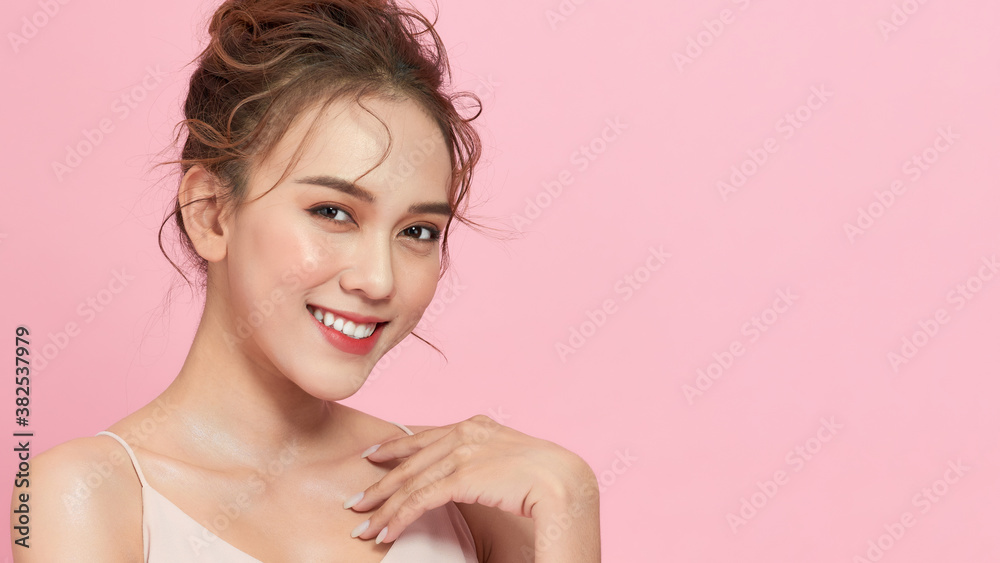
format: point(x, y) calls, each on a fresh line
point(321, 245)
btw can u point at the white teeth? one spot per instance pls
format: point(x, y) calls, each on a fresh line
point(347, 327)
point(360, 331)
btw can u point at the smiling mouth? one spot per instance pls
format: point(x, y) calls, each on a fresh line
point(342, 325)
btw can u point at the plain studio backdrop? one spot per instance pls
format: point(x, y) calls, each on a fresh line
point(755, 283)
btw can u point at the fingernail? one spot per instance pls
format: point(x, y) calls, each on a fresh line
point(354, 499)
point(360, 529)
point(381, 535)
point(370, 450)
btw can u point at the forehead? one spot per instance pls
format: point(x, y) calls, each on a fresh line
point(347, 139)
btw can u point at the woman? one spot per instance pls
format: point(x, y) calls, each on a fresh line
point(322, 168)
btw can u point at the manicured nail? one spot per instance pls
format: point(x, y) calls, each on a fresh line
point(360, 529)
point(381, 535)
point(354, 499)
point(370, 450)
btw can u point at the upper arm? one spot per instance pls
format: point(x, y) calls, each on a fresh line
point(501, 537)
point(82, 505)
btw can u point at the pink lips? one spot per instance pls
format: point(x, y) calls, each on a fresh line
point(356, 346)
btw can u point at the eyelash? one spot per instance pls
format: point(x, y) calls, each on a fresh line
point(435, 234)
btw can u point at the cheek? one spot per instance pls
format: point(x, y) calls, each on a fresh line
point(267, 260)
point(421, 284)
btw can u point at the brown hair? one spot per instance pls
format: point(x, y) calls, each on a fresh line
point(269, 60)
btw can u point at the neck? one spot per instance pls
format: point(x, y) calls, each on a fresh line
point(240, 407)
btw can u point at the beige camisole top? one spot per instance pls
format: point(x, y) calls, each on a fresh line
point(440, 535)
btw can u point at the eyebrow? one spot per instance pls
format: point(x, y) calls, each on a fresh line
point(356, 191)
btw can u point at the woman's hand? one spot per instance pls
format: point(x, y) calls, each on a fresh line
point(481, 461)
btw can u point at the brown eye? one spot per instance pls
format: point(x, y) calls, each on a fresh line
point(330, 212)
point(429, 233)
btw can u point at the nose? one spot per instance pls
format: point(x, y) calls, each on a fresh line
point(370, 270)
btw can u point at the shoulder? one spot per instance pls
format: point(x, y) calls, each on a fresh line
point(367, 427)
point(85, 474)
point(83, 497)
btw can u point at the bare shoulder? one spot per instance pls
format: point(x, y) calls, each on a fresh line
point(83, 498)
point(367, 427)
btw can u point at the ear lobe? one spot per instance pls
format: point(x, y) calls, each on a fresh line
point(200, 199)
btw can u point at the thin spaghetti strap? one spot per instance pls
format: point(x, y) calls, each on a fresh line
point(131, 455)
point(405, 429)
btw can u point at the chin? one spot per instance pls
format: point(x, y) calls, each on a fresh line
point(333, 384)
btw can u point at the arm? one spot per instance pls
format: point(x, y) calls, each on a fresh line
point(564, 526)
point(82, 507)
point(567, 521)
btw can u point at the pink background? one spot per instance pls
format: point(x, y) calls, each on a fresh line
point(676, 473)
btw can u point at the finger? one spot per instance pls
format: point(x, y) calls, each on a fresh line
point(432, 496)
point(433, 488)
point(477, 429)
point(406, 445)
point(406, 473)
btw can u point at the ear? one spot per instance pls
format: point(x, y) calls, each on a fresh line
point(200, 199)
